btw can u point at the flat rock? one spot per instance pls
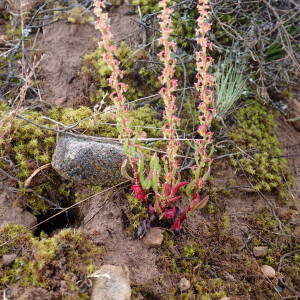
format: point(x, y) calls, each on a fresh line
point(154, 237)
point(10, 214)
point(260, 251)
point(88, 162)
point(111, 283)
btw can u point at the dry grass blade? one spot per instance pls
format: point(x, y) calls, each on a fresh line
point(29, 179)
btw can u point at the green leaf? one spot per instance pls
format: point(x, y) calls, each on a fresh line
point(154, 163)
point(190, 187)
point(207, 173)
point(147, 182)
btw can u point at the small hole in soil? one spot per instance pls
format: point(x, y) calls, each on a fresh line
point(63, 220)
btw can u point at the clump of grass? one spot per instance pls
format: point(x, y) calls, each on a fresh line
point(230, 84)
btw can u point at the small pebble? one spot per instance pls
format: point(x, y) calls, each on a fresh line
point(111, 283)
point(260, 251)
point(154, 237)
point(268, 271)
point(184, 284)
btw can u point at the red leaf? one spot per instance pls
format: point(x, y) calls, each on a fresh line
point(197, 202)
point(139, 192)
point(173, 199)
point(167, 188)
point(177, 187)
point(177, 225)
point(170, 213)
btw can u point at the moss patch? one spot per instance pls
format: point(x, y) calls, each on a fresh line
point(61, 262)
point(95, 71)
point(263, 164)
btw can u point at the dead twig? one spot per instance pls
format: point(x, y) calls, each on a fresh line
point(29, 179)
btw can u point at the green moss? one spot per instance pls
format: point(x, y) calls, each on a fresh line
point(191, 263)
point(255, 133)
point(140, 74)
point(137, 212)
point(68, 256)
point(96, 72)
point(146, 6)
point(77, 15)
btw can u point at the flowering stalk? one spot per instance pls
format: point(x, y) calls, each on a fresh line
point(203, 86)
point(169, 85)
point(166, 194)
point(118, 87)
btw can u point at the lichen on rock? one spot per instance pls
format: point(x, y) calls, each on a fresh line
point(88, 162)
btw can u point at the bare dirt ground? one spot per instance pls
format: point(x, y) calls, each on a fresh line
point(103, 222)
point(290, 140)
point(63, 46)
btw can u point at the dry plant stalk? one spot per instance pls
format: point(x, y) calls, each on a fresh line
point(29, 179)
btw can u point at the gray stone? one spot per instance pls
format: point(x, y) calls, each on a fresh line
point(260, 251)
point(88, 162)
point(111, 283)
